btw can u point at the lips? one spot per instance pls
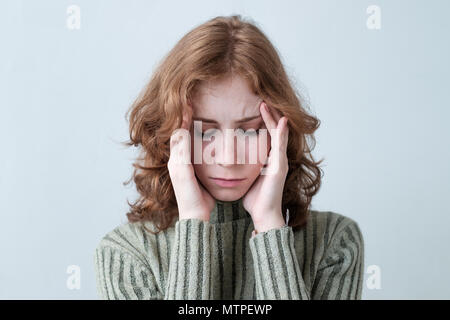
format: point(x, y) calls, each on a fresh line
point(226, 182)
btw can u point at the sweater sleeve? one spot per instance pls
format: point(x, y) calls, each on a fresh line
point(190, 262)
point(123, 275)
point(340, 272)
point(277, 272)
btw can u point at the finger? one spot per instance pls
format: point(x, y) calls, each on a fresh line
point(187, 118)
point(180, 147)
point(267, 117)
point(283, 133)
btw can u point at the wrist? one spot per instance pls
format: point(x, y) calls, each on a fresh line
point(269, 223)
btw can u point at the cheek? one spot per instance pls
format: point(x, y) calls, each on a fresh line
point(200, 171)
point(252, 172)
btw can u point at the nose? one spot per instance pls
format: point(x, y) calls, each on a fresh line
point(225, 149)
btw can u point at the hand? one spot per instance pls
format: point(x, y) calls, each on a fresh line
point(193, 200)
point(264, 198)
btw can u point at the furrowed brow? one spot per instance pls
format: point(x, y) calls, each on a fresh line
point(237, 121)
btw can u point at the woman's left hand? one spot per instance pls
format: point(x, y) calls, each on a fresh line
point(264, 198)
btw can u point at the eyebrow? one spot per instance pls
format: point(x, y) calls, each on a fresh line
point(237, 121)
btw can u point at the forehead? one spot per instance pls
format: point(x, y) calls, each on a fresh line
point(229, 99)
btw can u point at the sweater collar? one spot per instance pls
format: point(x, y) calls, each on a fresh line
point(226, 211)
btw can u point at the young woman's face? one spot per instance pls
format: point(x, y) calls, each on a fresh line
point(221, 105)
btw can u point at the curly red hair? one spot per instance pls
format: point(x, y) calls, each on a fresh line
point(217, 48)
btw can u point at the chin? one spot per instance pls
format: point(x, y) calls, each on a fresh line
point(226, 194)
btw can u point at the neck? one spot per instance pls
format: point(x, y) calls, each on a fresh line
point(227, 211)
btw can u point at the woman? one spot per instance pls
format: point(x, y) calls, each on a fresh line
point(221, 226)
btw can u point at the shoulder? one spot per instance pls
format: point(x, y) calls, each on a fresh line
point(133, 239)
point(325, 228)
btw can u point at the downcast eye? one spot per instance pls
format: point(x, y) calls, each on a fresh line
point(250, 132)
point(214, 132)
point(208, 133)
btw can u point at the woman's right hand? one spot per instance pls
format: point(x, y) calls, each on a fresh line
point(193, 200)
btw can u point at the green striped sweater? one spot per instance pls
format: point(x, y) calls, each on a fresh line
point(222, 259)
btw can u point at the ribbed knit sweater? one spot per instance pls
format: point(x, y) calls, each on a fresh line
point(222, 259)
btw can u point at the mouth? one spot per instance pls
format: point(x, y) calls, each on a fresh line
point(226, 179)
point(223, 182)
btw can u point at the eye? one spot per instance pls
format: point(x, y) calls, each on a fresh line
point(211, 132)
point(251, 131)
point(208, 133)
